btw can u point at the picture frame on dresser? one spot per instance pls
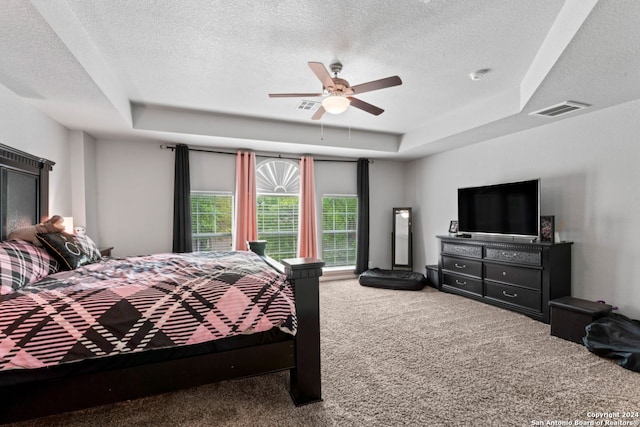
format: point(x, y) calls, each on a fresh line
point(453, 226)
point(547, 228)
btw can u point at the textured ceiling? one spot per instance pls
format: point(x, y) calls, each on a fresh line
point(199, 71)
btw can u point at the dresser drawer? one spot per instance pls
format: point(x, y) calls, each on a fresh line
point(462, 266)
point(526, 277)
point(463, 283)
point(473, 251)
point(514, 295)
point(513, 255)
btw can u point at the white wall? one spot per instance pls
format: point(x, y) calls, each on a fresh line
point(27, 129)
point(135, 188)
point(332, 178)
point(82, 154)
point(386, 184)
point(135, 196)
point(135, 192)
point(589, 176)
point(386, 179)
point(210, 171)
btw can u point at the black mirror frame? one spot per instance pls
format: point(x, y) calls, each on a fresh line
point(409, 265)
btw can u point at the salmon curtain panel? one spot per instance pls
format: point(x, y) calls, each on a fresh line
point(307, 240)
point(246, 216)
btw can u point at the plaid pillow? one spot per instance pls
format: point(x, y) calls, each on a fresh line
point(88, 246)
point(22, 263)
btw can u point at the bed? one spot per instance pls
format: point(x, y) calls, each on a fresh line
point(117, 329)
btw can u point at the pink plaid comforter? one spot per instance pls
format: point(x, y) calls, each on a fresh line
point(139, 303)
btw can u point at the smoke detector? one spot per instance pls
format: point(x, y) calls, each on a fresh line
point(478, 74)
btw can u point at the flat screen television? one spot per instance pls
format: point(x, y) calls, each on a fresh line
point(509, 209)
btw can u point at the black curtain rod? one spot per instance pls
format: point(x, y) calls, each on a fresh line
point(279, 156)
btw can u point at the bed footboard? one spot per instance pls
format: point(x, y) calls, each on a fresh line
point(305, 381)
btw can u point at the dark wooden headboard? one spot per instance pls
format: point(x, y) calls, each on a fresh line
point(24, 189)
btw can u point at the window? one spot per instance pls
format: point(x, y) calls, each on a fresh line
point(211, 221)
point(339, 219)
point(277, 186)
point(278, 225)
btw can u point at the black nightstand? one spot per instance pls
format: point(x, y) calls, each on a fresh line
point(106, 251)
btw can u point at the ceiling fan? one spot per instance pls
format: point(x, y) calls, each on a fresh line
point(338, 93)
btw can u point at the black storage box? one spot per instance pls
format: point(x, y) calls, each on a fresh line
point(570, 316)
point(432, 276)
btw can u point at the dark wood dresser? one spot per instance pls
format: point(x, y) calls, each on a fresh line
point(516, 275)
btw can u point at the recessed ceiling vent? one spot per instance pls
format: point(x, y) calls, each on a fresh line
point(308, 105)
point(560, 109)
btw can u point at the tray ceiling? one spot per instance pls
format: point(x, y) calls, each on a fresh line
point(199, 71)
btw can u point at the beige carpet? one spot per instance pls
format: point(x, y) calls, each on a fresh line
point(405, 358)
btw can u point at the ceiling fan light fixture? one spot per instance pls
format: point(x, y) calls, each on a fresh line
point(335, 104)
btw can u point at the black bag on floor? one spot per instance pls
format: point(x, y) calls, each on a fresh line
point(615, 336)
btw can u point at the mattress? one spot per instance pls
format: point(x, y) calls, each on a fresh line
point(139, 304)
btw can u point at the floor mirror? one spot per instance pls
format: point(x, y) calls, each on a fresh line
point(402, 240)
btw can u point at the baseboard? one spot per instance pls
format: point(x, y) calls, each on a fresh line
point(331, 275)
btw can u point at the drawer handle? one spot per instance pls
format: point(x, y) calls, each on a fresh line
point(507, 294)
point(458, 282)
point(460, 265)
point(509, 255)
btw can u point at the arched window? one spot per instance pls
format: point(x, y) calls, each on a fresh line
point(278, 177)
point(277, 188)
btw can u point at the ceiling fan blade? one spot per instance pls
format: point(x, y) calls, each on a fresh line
point(321, 72)
point(376, 84)
point(289, 95)
point(318, 114)
point(365, 106)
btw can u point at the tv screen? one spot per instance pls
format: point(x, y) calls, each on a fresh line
point(511, 209)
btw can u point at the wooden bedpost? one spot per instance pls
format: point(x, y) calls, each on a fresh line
point(305, 377)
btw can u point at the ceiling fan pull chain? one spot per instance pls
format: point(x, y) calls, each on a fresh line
point(349, 133)
point(321, 131)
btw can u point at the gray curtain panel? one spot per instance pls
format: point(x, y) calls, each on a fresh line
point(362, 255)
point(182, 202)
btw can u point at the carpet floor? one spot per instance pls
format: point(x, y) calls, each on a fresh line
point(389, 358)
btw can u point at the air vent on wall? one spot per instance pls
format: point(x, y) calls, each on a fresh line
point(559, 109)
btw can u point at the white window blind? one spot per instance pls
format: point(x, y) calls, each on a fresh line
point(339, 229)
point(211, 221)
point(277, 184)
